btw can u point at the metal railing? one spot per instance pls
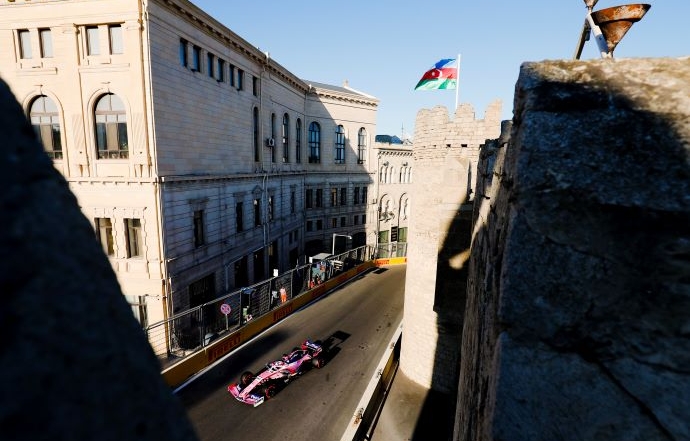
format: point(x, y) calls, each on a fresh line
point(187, 332)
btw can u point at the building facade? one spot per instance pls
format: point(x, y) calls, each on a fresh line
point(203, 164)
point(390, 208)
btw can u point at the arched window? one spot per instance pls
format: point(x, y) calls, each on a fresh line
point(286, 138)
point(340, 145)
point(361, 146)
point(255, 126)
point(46, 123)
point(298, 140)
point(314, 143)
point(111, 128)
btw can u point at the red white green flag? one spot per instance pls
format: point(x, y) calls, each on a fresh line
point(443, 75)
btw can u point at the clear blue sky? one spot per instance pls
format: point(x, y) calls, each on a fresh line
point(382, 47)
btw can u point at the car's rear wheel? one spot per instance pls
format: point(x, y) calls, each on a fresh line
point(318, 362)
point(246, 378)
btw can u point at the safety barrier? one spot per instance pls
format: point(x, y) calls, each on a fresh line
point(371, 404)
point(217, 334)
point(176, 374)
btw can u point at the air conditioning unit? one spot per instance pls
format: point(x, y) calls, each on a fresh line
point(270, 142)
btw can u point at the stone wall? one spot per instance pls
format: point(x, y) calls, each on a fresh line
point(577, 323)
point(74, 362)
point(445, 155)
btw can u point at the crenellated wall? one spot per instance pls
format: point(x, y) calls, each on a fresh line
point(577, 323)
point(445, 155)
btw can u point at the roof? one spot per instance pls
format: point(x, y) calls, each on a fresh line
point(340, 89)
point(388, 139)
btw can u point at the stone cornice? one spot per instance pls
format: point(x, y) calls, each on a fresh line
point(217, 30)
point(346, 97)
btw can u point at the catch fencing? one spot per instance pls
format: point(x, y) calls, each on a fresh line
point(190, 331)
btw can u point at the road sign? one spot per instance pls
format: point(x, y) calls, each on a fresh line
point(225, 308)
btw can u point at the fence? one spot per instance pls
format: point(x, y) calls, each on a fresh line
point(187, 332)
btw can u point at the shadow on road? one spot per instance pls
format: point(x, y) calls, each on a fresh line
point(331, 344)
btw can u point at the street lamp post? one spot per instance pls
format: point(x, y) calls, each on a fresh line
point(336, 234)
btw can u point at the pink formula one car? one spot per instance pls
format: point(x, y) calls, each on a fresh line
point(255, 388)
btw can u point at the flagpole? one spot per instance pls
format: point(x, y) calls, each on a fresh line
point(457, 85)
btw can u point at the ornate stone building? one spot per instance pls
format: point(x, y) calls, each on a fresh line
point(390, 209)
point(202, 163)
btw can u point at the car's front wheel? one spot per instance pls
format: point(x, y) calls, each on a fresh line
point(246, 378)
point(270, 391)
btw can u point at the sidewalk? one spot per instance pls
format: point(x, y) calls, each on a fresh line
point(414, 413)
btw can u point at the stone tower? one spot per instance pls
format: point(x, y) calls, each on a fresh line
point(445, 156)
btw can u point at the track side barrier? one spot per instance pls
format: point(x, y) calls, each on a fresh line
point(390, 261)
point(178, 373)
point(372, 401)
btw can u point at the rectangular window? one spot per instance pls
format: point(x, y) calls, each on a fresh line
point(255, 85)
point(56, 153)
point(309, 198)
point(239, 216)
point(343, 195)
point(364, 219)
point(115, 34)
point(334, 222)
point(231, 75)
point(133, 237)
point(319, 198)
point(319, 225)
point(343, 221)
point(334, 197)
point(196, 59)
point(298, 142)
point(183, 53)
point(199, 238)
point(364, 196)
point(220, 73)
point(292, 202)
point(356, 196)
point(138, 305)
point(46, 43)
point(210, 64)
point(111, 136)
point(310, 226)
point(270, 208)
point(93, 43)
point(257, 212)
point(25, 44)
point(240, 79)
point(202, 291)
point(383, 236)
point(104, 234)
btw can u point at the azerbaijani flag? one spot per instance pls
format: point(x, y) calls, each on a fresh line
point(444, 75)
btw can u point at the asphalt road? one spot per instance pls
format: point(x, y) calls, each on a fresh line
point(358, 320)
